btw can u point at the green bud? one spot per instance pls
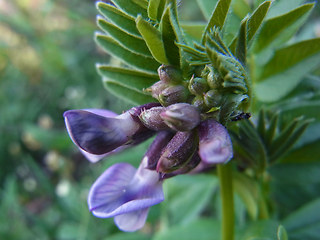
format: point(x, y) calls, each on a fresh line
point(198, 86)
point(169, 74)
point(212, 98)
point(173, 94)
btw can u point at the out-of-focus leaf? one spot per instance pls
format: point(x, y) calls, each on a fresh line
point(187, 196)
point(218, 17)
point(153, 40)
point(241, 47)
point(286, 69)
point(261, 230)
point(143, 63)
point(290, 56)
point(131, 8)
point(294, 184)
point(128, 94)
point(282, 233)
point(133, 43)
point(206, 7)
point(119, 18)
point(155, 9)
point(247, 190)
point(240, 8)
point(141, 3)
point(127, 77)
point(256, 19)
point(194, 30)
point(305, 222)
point(128, 236)
point(204, 229)
point(274, 27)
point(169, 37)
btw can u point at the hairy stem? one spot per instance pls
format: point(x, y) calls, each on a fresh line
point(226, 192)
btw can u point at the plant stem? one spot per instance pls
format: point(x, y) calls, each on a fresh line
point(226, 192)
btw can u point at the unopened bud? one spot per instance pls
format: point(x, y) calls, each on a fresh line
point(173, 94)
point(157, 88)
point(213, 80)
point(169, 74)
point(178, 152)
point(151, 119)
point(198, 86)
point(181, 117)
point(212, 98)
point(154, 151)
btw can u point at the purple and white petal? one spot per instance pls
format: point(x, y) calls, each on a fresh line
point(93, 133)
point(215, 145)
point(133, 221)
point(121, 189)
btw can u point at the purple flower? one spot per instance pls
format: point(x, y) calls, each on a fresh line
point(184, 143)
point(99, 133)
point(126, 194)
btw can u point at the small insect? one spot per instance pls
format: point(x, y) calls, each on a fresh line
point(241, 116)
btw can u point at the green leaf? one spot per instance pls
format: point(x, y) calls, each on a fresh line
point(153, 40)
point(286, 69)
point(118, 18)
point(256, 19)
point(281, 7)
point(305, 222)
point(169, 37)
point(128, 236)
point(135, 60)
point(282, 233)
point(141, 3)
point(273, 27)
point(128, 94)
point(132, 43)
point(293, 185)
point(131, 8)
point(218, 17)
point(188, 196)
point(240, 8)
point(206, 7)
point(193, 29)
point(241, 47)
point(247, 190)
point(290, 56)
point(127, 77)
point(261, 230)
point(204, 229)
point(155, 9)
point(306, 149)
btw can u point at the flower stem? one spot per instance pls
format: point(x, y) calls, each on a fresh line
point(226, 192)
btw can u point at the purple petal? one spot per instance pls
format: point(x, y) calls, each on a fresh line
point(121, 189)
point(215, 144)
point(101, 112)
point(133, 221)
point(93, 133)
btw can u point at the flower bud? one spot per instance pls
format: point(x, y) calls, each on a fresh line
point(152, 120)
point(154, 151)
point(157, 88)
point(214, 142)
point(173, 94)
point(169, 74)
point(178, 152)
point(181, 117)
point(212, 98)
point(198, 86)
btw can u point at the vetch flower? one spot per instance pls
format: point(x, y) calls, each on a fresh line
point(126, 194)
point(184, 142)
point(98, 133)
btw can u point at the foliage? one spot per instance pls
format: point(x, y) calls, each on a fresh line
point(47, 66)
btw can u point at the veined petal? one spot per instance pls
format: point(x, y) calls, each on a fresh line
point(133, 221)
point(214, 142)
point(121, 190)
point(93, 133)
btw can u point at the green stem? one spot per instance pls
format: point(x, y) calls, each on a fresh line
point(226, 192)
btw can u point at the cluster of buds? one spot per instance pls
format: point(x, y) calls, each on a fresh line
point(184, 142)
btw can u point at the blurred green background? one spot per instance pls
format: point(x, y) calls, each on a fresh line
point(47, 66)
